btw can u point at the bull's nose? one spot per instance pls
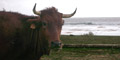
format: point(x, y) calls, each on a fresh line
point(55, 44)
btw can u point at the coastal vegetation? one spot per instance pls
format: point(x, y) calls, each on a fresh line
point(86, 53)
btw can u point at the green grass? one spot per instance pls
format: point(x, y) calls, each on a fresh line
point(86, 39)
point(86, 53)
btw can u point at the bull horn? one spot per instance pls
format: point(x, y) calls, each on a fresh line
point(34, 10)
point(69, 15)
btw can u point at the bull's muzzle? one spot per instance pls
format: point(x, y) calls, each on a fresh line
point(56, 45)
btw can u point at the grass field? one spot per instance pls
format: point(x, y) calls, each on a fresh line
point(86, 53)
point(89, 39)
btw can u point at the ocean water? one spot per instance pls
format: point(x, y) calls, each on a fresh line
point(105, 26)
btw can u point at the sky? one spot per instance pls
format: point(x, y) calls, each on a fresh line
point(85, 8)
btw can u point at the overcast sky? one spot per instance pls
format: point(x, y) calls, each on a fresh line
point(86, 8)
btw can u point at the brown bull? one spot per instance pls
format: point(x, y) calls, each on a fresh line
point(29, 37)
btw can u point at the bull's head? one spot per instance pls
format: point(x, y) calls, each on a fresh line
point(50, 25)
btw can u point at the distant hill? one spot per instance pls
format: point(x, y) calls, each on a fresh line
point(94, 18)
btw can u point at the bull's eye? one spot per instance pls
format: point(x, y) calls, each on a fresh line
point(44, 23)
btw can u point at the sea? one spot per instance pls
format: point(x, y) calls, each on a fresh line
point(101, 26)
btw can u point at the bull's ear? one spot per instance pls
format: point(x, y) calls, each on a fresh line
point(32, 26)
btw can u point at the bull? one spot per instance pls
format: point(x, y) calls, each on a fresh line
point(25, 37)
